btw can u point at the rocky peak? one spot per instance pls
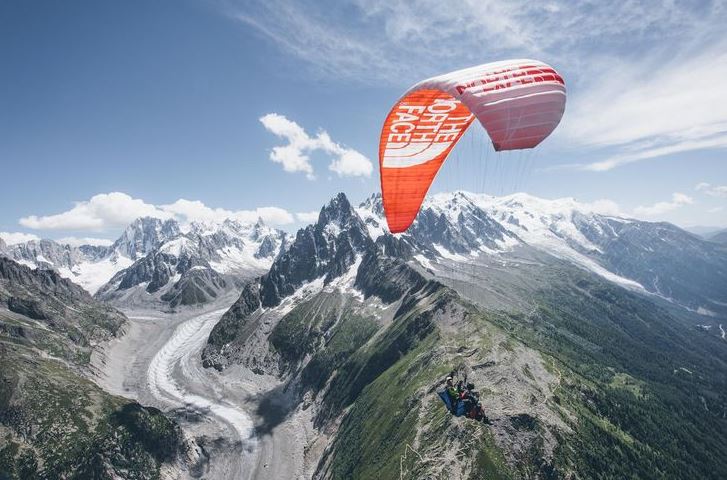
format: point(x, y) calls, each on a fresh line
point(193, 264)
point(44, 254)
point(46, 281)
point(327, 249)
point(337, 212)
point(145, 234)
point(374, 203)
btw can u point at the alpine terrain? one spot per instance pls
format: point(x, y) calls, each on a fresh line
point(596, 343)
point(54, 422)
point(160, 262)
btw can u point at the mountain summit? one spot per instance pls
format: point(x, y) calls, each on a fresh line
point(581, 328)
point(156, 258)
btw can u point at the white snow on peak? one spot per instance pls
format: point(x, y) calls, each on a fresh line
point(304, 292)
point(332, 229)
point(93, 275)
point(176, 247)
point(368, 212)
point(544, 224)
point(229, 246)
point(345, 283)
point(548, 225)
point(449, 255)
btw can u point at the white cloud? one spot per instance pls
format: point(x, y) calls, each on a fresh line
point(652, 109)
point(351, 163)
point(644, 78)
point(659, 208)
point(307, 217)
point(271, 215)
point(702, 186)
point(194, 210)
point(102, 211)
point(719, 191)
point(626, 158)
point(294, 157)
point(116, 210)
point(604, 207)
point(394, 41)
point(12, 238)
point(78, 241)
point(715, 210)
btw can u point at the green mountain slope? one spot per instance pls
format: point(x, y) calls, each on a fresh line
point(54, 423)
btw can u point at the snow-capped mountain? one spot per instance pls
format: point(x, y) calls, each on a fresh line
point(340, 334)
point(199, 259)
point(196, 263)
point(91, 266)
point(86, 265)
point(356, 323)
point(655, 258)
point(325, 249)
point(143, 235)
point(331, 256)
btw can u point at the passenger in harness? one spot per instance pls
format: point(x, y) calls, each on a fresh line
point(463, 400)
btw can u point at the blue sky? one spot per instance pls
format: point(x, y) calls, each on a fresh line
point(113, 109)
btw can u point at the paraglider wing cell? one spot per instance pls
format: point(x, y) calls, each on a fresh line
point(518, 102)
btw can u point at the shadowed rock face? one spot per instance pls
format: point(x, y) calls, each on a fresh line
point(29, 307)
point(325, 249)
point(54, 422)
point(20, 277)
point(361, 327)
point(196, 266)
point(66, 309)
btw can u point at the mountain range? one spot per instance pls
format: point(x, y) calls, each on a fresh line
point(160, 261)
point(592, 338)
point(596, 340)
point(54, 421)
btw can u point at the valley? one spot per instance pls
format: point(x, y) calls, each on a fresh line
point(325, 363)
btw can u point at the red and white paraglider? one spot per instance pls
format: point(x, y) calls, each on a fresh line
point(518, 102)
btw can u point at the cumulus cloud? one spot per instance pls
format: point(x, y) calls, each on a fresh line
point(650, 71)
point(102, 211)
point(398, 41)
point(194, 210)
point(307, 217)
point(295, 156)
point(116, 210)
point(78, 241)
point(604, 207)
point(719, 191)
point(13, 238)
point(659, 208)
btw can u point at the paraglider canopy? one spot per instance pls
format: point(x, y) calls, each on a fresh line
point(518, 102)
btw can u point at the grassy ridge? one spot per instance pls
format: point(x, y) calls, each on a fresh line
point(55, 424)
point(640, 413)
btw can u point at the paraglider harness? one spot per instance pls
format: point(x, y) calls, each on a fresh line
point(464, 401)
